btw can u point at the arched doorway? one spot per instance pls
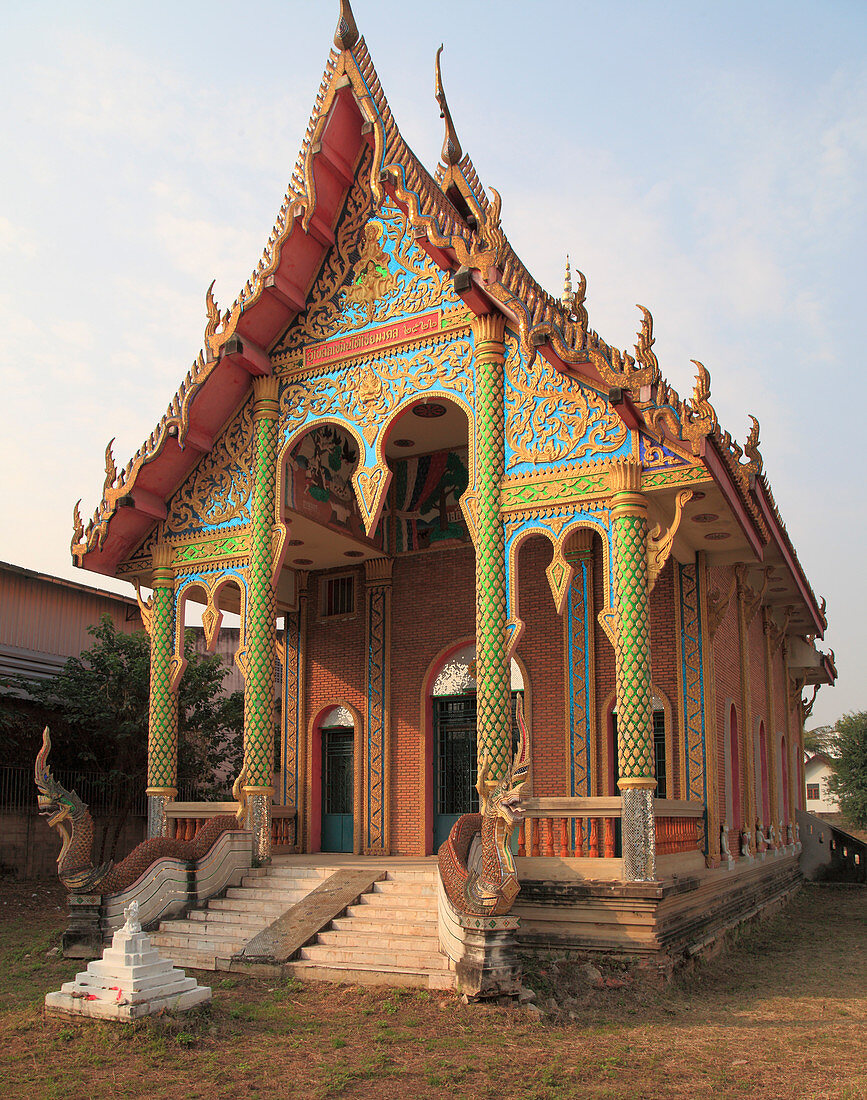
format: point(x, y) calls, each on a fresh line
point(337, 780)
point(733, 790)
point(453, 713)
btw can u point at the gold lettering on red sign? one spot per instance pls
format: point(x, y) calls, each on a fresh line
point(373, 339)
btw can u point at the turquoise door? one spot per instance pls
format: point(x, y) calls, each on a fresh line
point(337, 790)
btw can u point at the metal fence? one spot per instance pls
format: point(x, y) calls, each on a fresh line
point(18, 790)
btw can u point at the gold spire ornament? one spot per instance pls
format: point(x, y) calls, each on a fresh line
point(346, 34)
point(451, 152)
point(568, 296)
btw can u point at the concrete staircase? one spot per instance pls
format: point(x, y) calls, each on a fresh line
point(207, 938)
point(389, 938)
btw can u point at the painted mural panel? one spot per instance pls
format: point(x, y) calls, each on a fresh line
point(424, 501)
point(319, 479)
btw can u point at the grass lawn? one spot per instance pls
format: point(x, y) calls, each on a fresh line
point(783, 1013)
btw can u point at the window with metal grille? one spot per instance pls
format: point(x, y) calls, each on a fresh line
point(338, 596)
point(813, 791)
point(658, 753)
point(455, 752)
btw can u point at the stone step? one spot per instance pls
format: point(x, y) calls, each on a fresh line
point(412, 876)
point(377, 940)
point(185, 941)
point(405, 889)
point(361, 958)
point(369, 911)
point(271, 894)
point(383, 975)
point(292, 871)
point(359, 922)
point(225, 916)
point(268, 910)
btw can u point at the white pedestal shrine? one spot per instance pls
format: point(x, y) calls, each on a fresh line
point(129, 981)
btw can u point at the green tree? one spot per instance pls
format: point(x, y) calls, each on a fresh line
point(820, 739)
point(849, 781)
point(97, 707)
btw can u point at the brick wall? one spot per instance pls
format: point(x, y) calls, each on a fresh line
point(727, 680)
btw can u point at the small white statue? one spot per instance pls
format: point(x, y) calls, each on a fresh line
point(724, 841)
point(745, 842)
point(133, 924)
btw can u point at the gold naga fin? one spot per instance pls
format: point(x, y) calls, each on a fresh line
point(346, 33)
point(77, 525)
point(110, 468)
point(239, 794)
point(451, 151)
point(751, 449)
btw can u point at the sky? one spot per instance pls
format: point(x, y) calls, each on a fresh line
point(708, 161)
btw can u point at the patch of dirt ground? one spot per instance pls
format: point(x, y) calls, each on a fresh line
point(780, 1014)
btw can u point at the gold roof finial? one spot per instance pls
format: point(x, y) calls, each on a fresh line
point(452, 151)
point(346, 34)
point(568, 296)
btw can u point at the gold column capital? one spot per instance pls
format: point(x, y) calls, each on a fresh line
point(266, 405)
point(163, 575)
point(625, 476)
point(378, 570)
point(489, 330)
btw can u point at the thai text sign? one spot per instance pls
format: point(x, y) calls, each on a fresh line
point(373, 339)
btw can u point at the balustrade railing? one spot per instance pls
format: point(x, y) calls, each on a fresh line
point(186, 818)
point(586, 828)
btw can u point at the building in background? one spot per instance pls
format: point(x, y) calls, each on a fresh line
point(818, 769)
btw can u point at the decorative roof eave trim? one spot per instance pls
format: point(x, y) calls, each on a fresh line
point(718, 469)
point(780, 536)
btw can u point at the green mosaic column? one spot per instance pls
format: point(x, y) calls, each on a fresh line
point(634, 692)
point(493, 713)
point(163, 705)
point(260, 634)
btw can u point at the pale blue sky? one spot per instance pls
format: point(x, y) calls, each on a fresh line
point(708, 161)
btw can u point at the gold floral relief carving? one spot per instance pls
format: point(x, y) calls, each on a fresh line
point(219, 488)
point(366, 394)
point(550, 418)
point(374, 272)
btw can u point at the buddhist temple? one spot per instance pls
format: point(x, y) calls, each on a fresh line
point(444, 508)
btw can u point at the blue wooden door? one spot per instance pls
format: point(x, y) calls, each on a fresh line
point(337, 790)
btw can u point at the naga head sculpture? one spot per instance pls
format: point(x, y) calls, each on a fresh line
point(503, 797)
point(55, 802)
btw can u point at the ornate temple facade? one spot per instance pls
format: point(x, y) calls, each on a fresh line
point(428, 488)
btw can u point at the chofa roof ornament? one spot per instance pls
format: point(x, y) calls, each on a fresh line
point(451, 152)
point(346, 34)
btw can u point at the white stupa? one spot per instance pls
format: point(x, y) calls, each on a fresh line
point(129, 981)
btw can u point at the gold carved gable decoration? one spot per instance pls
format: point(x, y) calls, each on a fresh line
point(551, 418)
point(374, 273)
point(218, 490)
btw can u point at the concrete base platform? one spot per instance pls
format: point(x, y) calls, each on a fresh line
point(131, 980)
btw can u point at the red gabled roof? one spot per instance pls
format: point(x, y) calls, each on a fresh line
point(453, 219)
